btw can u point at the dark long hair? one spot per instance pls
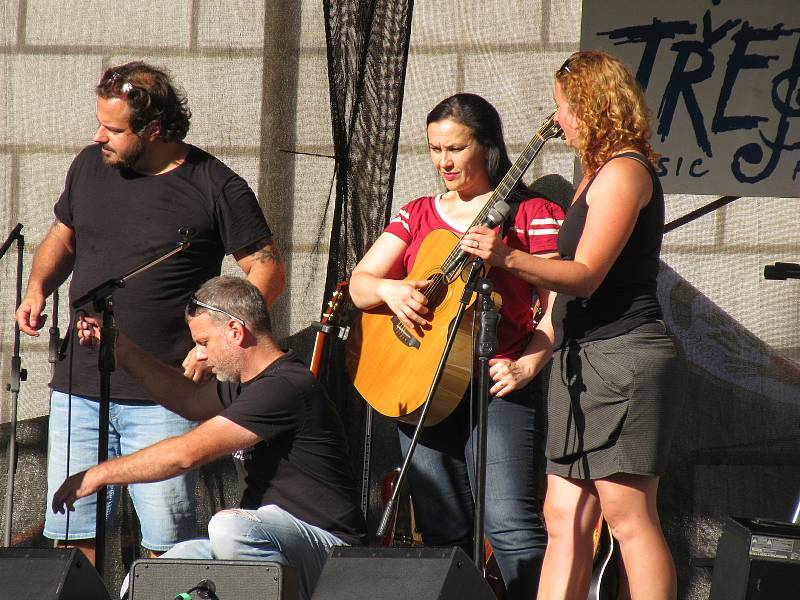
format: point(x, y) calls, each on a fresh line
point(151, 97)
point(483, 120)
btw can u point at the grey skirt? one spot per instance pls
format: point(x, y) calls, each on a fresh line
point(613, 405)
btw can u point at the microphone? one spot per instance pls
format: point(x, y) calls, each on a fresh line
point(206, 589)
point(186, 233)
point(782, 271)
point(494, 217)
point(10, 240)
point(555, 188)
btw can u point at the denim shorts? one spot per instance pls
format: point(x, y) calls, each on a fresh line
point(165, 509)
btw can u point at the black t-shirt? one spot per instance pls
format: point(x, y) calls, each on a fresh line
point(627, 296)
point(301, 464)
point(122, 220)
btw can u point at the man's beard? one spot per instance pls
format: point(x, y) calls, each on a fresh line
point(225, 376)
point(127, 160)
point(227, 367)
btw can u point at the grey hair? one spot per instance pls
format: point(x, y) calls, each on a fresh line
point(236, 296)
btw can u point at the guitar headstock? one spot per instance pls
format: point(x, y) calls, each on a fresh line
point(333, 303)
point(549, 129)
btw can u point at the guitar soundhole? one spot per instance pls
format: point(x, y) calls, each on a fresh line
point(436, 291)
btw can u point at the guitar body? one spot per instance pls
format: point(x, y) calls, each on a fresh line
point(394, 376)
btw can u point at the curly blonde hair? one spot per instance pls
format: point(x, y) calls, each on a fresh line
point(610, 107)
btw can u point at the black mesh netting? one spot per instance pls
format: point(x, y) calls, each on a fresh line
point(367, 46)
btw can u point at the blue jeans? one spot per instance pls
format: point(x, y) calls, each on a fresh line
point(442, 477)
point(165, 509)
point(268, 533)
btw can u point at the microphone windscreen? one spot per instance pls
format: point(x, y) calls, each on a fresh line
point(497, 214)
point(555, 188)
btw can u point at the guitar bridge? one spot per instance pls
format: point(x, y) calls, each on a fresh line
point(403, 334)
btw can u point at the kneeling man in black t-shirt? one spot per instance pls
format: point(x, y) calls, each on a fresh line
point(297, 487)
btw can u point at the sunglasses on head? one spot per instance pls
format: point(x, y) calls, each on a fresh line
point(194, 303)
point(117, 84)
point(564, 68)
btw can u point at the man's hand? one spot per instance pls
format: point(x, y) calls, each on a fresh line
point(196, 370)
point(74, 487)
point(89, 331)
point(29, 314)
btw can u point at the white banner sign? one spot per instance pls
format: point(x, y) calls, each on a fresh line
point(722, 82)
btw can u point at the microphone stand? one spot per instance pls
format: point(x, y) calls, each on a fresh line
point(486, 349)
point(18, 374)
point(473, 279)
point(102, 300)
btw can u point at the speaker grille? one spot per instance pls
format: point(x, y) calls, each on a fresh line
point(164, 578)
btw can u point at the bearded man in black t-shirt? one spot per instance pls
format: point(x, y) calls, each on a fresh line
point(125, 199)
point(298, 495)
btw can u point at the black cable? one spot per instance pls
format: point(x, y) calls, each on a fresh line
point(71, 337)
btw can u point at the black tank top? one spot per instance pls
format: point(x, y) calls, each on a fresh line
point(627, 297)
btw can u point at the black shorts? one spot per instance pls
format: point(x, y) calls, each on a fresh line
point(613, 404)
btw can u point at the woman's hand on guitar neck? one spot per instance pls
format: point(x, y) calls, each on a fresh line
point(404, 299)
point(486, 244)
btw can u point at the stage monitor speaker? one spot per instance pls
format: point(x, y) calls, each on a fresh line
point(400, 574)
point(757, 559)
point(166, 578)
point(49, 574)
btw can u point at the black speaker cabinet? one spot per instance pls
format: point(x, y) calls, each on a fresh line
point(757, 559)
point(49, 574)
point(400, 574)
point(165, 578)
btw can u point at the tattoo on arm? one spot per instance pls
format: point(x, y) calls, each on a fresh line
point(264, 250)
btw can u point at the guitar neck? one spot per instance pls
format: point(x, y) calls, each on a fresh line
point(316, 355)
point(512, 177)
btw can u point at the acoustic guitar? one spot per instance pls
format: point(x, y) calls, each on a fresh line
point(605, 581)
point(393, 367)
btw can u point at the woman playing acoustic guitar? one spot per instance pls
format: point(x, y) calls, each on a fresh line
point(618, 379)
point(467, 148)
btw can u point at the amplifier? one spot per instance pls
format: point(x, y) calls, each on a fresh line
point(757, 559)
